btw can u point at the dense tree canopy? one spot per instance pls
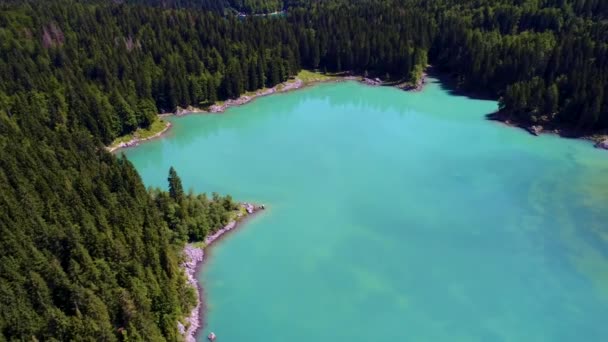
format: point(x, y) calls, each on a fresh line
point(218, 6)
point(547, 60)
point(83, 252)
point(110, 69)
point(117, 65)
point(86, 253)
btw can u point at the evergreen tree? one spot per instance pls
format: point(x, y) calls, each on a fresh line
point(176, 191)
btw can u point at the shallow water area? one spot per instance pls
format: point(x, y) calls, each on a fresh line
point(394, 216)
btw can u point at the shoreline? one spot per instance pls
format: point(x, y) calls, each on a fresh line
point(284, 87)
point(221, 106)
point(246, 98)
point(194, 255)
point(599, 139)
point(401, 85)
point(135, 140)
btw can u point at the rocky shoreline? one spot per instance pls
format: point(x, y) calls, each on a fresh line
point(600, 140)
point(280, 88)
point(193, 257)
point(135, 141)
point(419, 86)
point(407, 86)
point(602, 144)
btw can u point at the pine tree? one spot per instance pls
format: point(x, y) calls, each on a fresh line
point(176, 191)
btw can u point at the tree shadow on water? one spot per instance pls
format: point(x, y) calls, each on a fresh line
point(449, 82)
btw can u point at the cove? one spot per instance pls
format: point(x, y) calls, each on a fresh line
point(394, 216)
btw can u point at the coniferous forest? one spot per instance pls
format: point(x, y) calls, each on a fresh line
point(87, 253)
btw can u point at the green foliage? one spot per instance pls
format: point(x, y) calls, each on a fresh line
point(219, 6)
point(547, 60)
point(307, 76)
point(110, 68)
point(83, 253)
point(195, 216)
point(86, 253)
point(176, 191)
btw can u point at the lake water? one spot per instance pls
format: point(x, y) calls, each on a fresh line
point(394, 216)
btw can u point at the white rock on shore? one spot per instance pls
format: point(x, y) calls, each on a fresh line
point(535, 129)
point(296, 84)
point(286, 86)
point(188, 110)
point(372, 82)
point(211, 238)
point(602, 144)
point(192, 257)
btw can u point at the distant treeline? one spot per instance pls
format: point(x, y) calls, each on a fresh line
point(116, 66)
point(218, 6)
point(111, 68)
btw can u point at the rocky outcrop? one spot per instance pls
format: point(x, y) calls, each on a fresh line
point(372, 82)
point(602, 144)
point(295, 84)
point(130, 143)
point(52, 36)
point(535, 129)
point(188, 110)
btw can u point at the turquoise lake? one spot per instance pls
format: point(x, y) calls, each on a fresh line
point(394, 216)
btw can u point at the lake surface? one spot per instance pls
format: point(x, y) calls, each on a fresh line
point(394, 216)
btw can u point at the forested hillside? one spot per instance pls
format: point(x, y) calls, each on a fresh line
point(110, 69)
point(86, 253)
point(546, 60)
point(218, 6)
point(142, 60)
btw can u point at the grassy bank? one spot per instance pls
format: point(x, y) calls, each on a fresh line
point(308, 77)
point(156, 128)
